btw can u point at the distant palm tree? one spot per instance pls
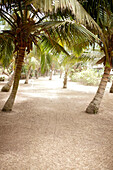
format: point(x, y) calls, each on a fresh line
point(31, 62)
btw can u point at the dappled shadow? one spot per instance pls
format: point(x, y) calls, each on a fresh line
point(48, 129)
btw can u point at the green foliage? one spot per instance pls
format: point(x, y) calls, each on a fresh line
point(6, 50)
point(87, 77)
point(102, 13)
point(44, 65)
point(24, 68)
point(54, 29)
point(92, 7)
point(2, 22)
point(32, 60)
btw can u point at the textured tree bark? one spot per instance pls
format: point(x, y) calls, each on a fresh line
point(111, 89)
point(65, 80)
point(36, 74)
point(60, 73)
point(7, 86)
point(28, 74)
point(95, 103)
point(9, 103)
point(51, 74)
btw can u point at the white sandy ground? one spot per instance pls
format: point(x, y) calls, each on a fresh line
point(48, 128)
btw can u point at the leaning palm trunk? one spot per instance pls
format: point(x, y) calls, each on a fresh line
point(8, 85)
point(28, 75)
point(9, 103)
point(94, 105)
point(65, 80)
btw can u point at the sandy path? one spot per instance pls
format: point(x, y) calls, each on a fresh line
point(49, 130)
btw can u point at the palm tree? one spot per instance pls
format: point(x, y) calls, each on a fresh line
point(28, 25)
point(46, 63)
point(48, 60)
point(76, 56)
point(65, 78)
point(105, 17)
point(28, 75)
point(102, 13)
point(31, 62)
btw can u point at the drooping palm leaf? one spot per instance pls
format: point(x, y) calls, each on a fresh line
point(52, 6)
point(6, 50)
point(72, 35)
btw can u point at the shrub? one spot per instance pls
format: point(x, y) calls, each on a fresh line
point(87, 77)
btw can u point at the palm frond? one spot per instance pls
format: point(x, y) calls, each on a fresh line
point(50, 44)
point(74, 36)
point(52, 6)
point(73, 5)
point(6, 50)
point(102, 60)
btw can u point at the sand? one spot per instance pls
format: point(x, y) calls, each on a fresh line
point(48, 128)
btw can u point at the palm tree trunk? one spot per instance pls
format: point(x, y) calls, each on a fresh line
point(8, 85)
point(36, 74)
point(60, 73)
point(28, 74)
point(94, 105)
point(51, 74)
point(65, 80)
point(111, 89)
point(9, 103)
point(54, 72)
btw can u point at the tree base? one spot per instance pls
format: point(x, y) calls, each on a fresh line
point(92, 109)
point(8, 105)
point(5, 89)
point(111, 90)
point(26, 82)
point(6, 110)
point(64, 87)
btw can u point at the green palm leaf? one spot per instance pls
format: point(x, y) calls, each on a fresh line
point(6, 50)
